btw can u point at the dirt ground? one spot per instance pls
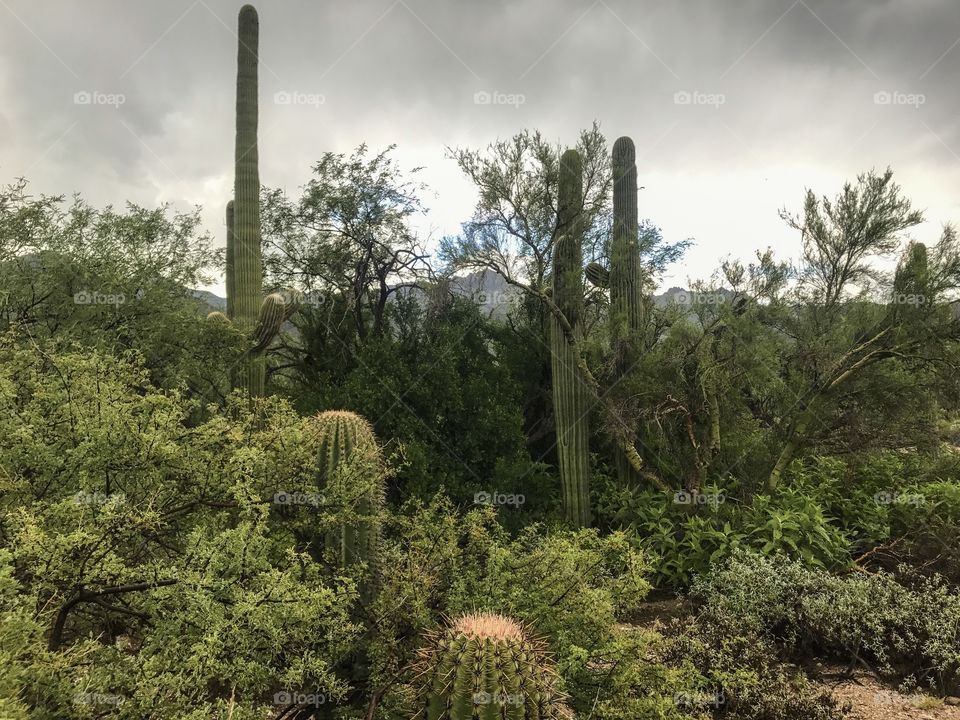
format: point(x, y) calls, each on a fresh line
point(872, 700)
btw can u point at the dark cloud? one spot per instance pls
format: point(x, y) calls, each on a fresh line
point(735, 106)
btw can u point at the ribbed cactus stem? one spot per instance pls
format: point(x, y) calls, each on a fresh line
point(626, 281)
point(273, 312)
point(486, 666)
point(571, 396)
point(597, 275)
point(350, 462)
point(248, 265)
point(231, 248)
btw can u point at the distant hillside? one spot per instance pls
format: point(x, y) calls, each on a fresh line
point(490, 290)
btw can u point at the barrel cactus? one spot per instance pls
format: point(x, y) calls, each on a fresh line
point(260, 320)
point(487, 666)
point(350, 465)
point(571, 396)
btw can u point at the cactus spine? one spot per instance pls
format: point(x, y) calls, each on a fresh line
point(486, 666)
point(571, 396)
point(625, 278)
point(349, 456)
point(259, 321)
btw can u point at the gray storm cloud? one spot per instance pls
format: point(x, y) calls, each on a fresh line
point(735, 107)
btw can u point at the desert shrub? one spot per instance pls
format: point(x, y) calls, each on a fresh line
point(740, 677)
point(571, 587)
point(925, 531)
point(143, 571)
point(901, 510)
point(911, 633)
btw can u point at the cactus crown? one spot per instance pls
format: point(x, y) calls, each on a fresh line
point(487, 626)
point(485, 665)
point(340, 435)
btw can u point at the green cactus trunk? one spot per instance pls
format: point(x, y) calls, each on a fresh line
point(626, 280)
point(231, 247)
point(485, 666)
point(350, 465)
point(571, 396)
point(247, 273)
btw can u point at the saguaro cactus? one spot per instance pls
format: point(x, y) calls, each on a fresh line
point(259, 320)
point(350, 463)
point(571, 396)
point(248, 264)
point(486, 666)
point(625, 278)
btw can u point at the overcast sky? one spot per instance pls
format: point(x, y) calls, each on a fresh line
point(735, 106)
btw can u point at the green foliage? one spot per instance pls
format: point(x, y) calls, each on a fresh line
point(739, 676)
point(571, 586)
point(427, 386)
point(113, 280)
point(896, 507)
point(927, 528)
point(904, 632)
point(689, 533)
point(141, 566)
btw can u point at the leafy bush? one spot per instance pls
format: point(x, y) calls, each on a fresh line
point(571, 587)
point(907, 632)
point(685, 540)
point(896, 507)
point(740, 677)
point(143, 572)
point(927, 530)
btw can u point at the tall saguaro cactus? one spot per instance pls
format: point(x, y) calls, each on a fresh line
point(571, 396)
point(260, 320)
point(248, 264)
point(626, 281)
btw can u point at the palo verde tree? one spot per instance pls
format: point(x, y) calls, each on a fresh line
point(847, 317)
point(347, 242)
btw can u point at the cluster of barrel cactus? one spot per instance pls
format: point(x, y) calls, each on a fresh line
point(486, 665)
point(260, 320)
